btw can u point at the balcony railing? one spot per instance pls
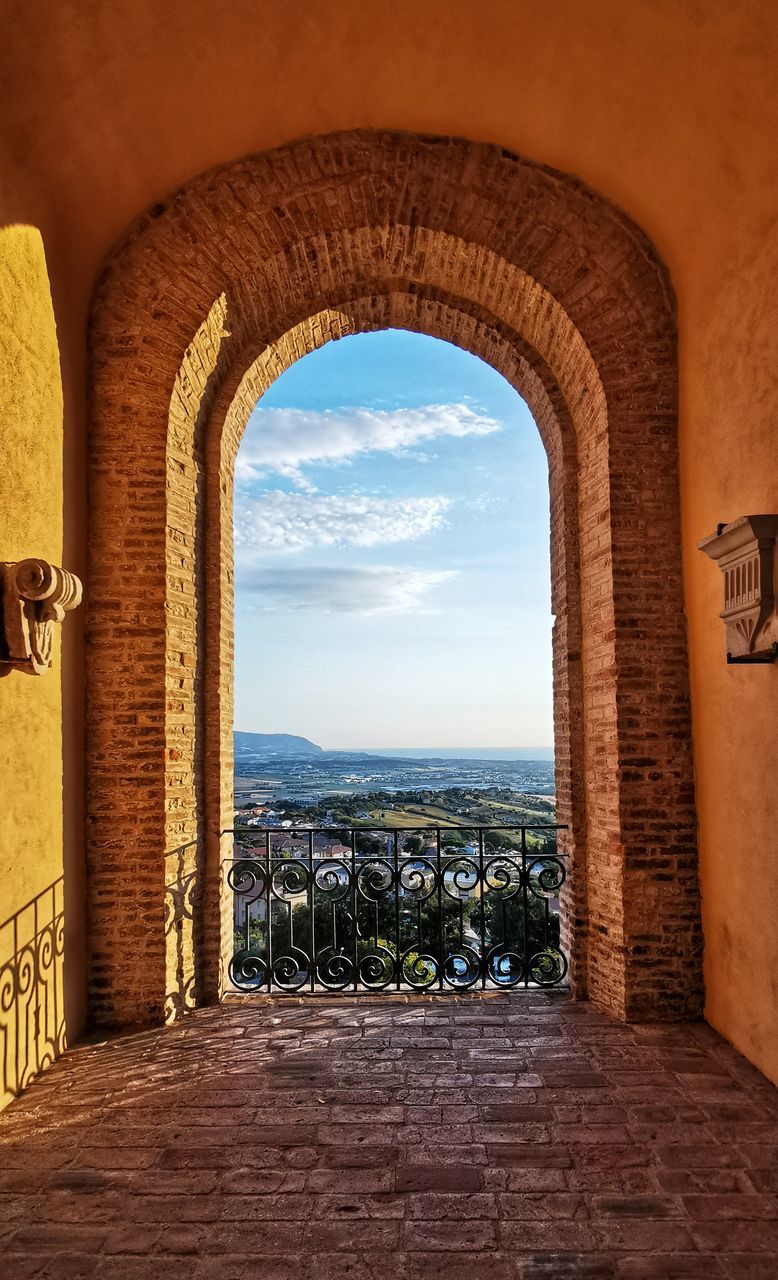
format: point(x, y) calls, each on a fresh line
point(410, 909)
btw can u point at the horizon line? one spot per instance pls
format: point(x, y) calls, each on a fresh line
point(388, 747)
point(547, 749)
point(438, 748)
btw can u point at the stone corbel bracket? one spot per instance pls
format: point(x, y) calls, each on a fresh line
point(747, 554)
point(33, 596)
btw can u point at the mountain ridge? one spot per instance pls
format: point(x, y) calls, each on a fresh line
point(288, 743)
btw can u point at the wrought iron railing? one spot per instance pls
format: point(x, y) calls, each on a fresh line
point(32, 1019)
point(441, 908)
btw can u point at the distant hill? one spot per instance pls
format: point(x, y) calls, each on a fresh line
point(286, 744)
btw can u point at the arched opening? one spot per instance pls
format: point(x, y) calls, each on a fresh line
point(391, 510)
point(393, 591)
point(227, 424)
point(212, 295)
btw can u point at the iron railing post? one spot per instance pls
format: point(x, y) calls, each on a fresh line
point(312, 910)
point(441, 930)
point(354, 906)
point(482, 883)
point(397, 965)
point(524, 906)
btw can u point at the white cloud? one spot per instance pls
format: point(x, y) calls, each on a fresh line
point(278, 521)
point(284, 440)
point(356, 590)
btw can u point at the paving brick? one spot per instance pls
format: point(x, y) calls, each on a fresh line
point(350, 1266)
point(346, 1135)
point(381, 1210)
point(432, 1205)
point(283, 1207)
point(513, 1134)
point(244, 1267)
point(358, 1235)
point(747, 1266)
point(557, 1235)
point(336, 1207)
point(706, 1180)
point(657, 1235)
point(715, 1208)
point(617, 1180)
point(684, 1266)
point(760, 1180)
point(22, 1267)
point(348, 1181)
point(610, 1156)
point(434, 1152)
point(254, 1182)
point(536, 1207)
point(444, 1178)
point(528, 1180)
point(530, 1155)
point(370, 1157)
point(460, 1266)
point(138, 1268)
point(573, 1079)
point(590, 1134)
point(566, 1266)
point(738, 1236)
point(707, 1156)
point(636, 1206)
point(514, 1113)
point(431, 1235)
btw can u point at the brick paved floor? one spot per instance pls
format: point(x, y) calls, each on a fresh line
point(488, 1136)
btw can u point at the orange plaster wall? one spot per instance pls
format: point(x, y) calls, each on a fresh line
point(42, 513)
point(668, 107)
point(31, 826)
point(730, 468)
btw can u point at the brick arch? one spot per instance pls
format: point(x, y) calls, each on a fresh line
point(252, 373)
point(200, 305)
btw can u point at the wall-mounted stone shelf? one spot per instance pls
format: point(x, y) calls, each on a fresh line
point(33, 596)
point(745, 551)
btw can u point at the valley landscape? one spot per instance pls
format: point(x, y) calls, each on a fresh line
point(282, 780)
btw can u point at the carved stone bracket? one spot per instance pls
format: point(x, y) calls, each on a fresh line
point(747, 554)
point(33, 595)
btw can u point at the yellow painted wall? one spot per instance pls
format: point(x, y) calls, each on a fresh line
point(667, 107)
point(32, 1011)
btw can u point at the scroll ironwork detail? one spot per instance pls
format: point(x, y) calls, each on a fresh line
point(32, 1020)
point(430, 909)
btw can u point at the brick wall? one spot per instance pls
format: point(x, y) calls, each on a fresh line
point(207, 298)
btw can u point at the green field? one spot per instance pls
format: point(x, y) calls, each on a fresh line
point(434, 815)
point(421, 815)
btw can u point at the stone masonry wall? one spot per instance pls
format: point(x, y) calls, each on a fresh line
point(207, 297)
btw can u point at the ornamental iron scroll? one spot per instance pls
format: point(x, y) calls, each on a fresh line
point(32, 1018)
point(34, 595)
point(746, 552)
point(435, 909)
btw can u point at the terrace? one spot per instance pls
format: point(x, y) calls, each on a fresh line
point(395, 1137)
point(578, 196)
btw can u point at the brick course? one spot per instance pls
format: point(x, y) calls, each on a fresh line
point(206, 299)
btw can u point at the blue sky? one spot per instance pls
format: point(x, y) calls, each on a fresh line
point(391, 540)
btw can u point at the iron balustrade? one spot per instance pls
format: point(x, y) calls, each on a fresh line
point(321, 909)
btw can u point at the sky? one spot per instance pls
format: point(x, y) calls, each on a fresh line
point(391, 553)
